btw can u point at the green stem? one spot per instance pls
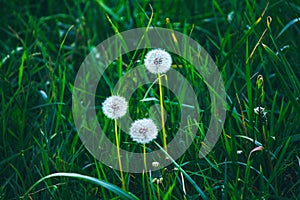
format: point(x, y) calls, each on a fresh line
point(145, 171)
point(145, 161)
point(119, 157)
point(157, 189)
point(162, 114)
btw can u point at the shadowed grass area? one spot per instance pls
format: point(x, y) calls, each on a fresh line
point(255, 45)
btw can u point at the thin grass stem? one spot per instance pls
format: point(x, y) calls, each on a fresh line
point(157, 189)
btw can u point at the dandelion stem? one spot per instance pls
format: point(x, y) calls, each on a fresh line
point(145, 162)
point(119, 157)
point(145, 171)
point(162, 114)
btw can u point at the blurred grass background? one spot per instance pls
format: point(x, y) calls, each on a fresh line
point(43, 44)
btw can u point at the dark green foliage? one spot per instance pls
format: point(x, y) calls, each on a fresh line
point(43, 44)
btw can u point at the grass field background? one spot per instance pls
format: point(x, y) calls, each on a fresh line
point(255, 45)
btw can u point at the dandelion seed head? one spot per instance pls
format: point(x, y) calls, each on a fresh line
point(158, 61)
point(115, 107)
point(143, 131)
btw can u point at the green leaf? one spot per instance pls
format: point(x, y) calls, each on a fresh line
point(92, 180)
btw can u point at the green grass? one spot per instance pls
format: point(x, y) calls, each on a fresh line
point(43, 44)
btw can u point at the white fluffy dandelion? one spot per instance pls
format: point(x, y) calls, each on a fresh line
point(143, 131)
point(158, 61)
point(115, 107)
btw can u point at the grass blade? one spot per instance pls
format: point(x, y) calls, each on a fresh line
point(92, 180)
point(201, 193)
